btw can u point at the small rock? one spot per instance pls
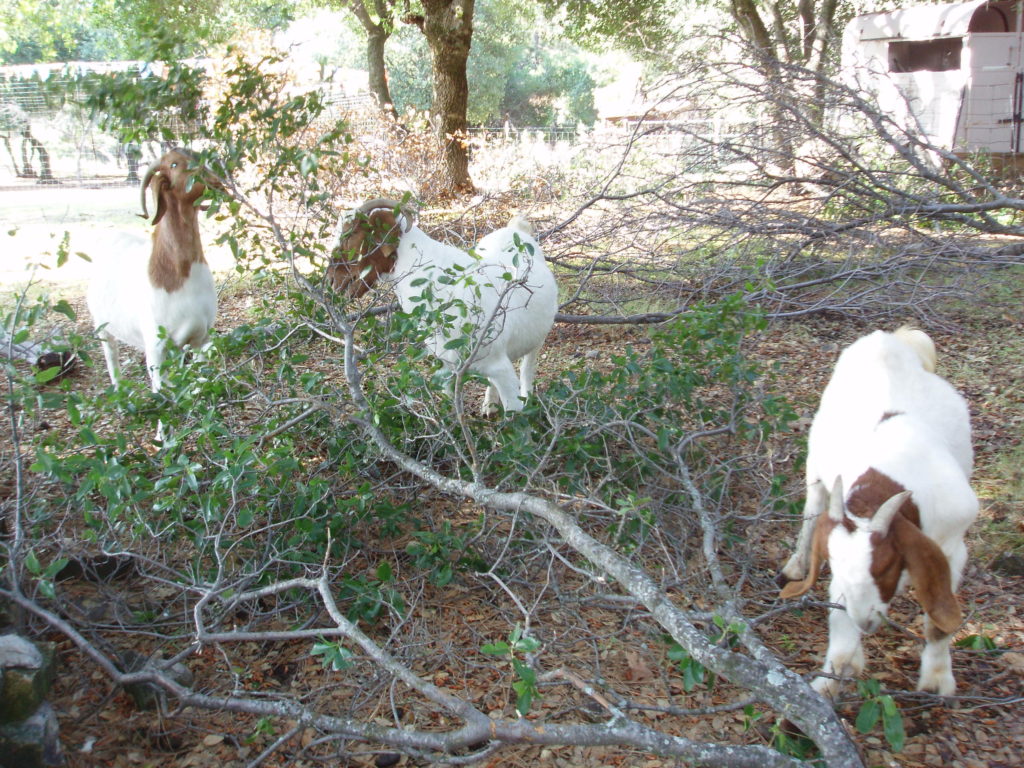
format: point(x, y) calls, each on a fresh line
point(27, 673)
point(387, 759)
point(16, 651)
point(33, 743)
point(1009, 563)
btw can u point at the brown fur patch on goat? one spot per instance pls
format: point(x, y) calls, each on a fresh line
point(366, 252)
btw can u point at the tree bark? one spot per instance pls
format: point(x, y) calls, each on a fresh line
point(448, 27)
point(377, 34)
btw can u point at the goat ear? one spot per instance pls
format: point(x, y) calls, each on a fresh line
point(161, 204)
point(929, 573)
point(819, 554)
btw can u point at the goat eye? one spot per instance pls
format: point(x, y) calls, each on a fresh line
point(174, 165)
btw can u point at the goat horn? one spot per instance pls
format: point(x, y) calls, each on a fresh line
point(150, 172)
point(383, 202)
point(883, 517)
point(837, 501)
point(379, 202)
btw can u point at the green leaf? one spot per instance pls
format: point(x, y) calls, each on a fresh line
point(335, 655)
point(47, 374)
point(868, 716)
point(524, 698)
point(892, 723)
point(55, 567)
point(65, 309)
point(500, 648)
point(976, 643)
point(32, 563)
point(527, 644)
point(443, 575)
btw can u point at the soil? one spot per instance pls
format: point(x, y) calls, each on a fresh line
point(982, 727)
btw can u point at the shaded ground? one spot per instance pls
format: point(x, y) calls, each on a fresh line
point(982, 728)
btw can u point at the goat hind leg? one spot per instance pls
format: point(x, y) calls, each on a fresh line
point(112, 355)
point(502, 378)
point(528, 372)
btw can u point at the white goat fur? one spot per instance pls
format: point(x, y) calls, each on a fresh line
point(144, 284)
point(887, 424)
point(511, 318)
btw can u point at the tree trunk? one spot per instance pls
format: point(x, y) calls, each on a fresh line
point(448, 26)
point(377, 34)
point(378, 72)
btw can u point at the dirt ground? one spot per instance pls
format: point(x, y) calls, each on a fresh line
point(982, 352)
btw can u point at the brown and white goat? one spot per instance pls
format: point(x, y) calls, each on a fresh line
point(491, 309)
point(898, 437)
point(163, 282)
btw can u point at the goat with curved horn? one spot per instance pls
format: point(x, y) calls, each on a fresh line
point(899, 437)
point(159, 282)
point(507, 291)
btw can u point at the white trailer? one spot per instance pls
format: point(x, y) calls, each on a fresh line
point(954, 71)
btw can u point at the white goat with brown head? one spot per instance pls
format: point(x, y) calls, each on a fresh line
point(504, 290)
point(898, 437)
point(162, 282)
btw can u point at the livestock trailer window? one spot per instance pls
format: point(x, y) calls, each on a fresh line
point(925, 55)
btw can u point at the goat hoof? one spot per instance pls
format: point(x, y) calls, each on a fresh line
point(781, 579)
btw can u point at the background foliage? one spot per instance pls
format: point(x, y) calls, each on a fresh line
point(347, 534)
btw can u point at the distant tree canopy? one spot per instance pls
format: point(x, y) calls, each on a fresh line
point(639, 26)
point(34, 31)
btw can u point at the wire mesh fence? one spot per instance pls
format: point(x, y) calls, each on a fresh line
point(49, 138)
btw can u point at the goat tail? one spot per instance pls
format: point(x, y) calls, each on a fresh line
point(521, 223)
point(920, 342)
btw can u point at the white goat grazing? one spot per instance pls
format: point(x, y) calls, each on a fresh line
point(899, 438)
point(163, 283)
point(506, 292)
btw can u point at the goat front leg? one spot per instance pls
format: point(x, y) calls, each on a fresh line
point(845, 655)
point(795, 568)
point(936, 662)
point(491, 400)
point(155, 352)
point(154, 359)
